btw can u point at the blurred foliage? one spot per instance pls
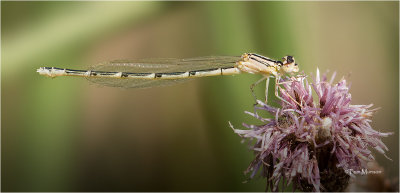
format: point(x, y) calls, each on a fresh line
point(67, 135)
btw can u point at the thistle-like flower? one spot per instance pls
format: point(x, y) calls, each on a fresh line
point(312, 143)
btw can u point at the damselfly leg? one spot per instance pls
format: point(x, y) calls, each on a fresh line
point(277, 86)
point(258, 82)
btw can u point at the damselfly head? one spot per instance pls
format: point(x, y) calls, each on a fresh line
point(288, 60)
point(289, 64)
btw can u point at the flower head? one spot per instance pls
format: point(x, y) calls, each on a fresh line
point(311, 141)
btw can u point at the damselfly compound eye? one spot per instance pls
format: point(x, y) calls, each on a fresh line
point(290, 59)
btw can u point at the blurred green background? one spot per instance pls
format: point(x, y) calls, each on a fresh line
point(66, 134)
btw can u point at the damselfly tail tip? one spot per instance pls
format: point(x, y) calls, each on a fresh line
point(44, 72)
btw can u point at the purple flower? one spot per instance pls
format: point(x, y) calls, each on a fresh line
point(312, 142)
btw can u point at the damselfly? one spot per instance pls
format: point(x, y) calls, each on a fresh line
point(159, 72)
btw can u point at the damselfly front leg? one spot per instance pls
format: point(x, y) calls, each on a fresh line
point(293, 78)
point(277, 87)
